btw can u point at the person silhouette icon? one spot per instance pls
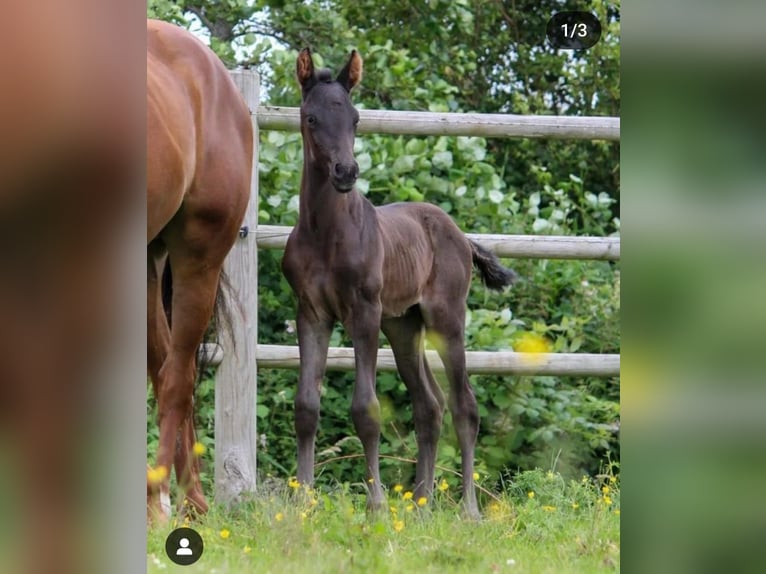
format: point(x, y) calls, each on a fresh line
point(184, 546)
point(184, 549)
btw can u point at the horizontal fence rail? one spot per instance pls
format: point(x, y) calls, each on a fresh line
point(517, 246)
point(458, 124)
point(477, 362)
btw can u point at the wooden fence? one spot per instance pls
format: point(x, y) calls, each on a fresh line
point(236, 384)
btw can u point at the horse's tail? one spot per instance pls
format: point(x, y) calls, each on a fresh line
point(493, 274)
point(221, 320)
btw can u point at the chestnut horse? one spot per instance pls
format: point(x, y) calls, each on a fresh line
point(402, 268)
point(199, 159)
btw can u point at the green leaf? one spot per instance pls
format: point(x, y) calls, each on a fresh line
point(442, 159)
point(540, 225)
point(404, 164)
point(365, 162)
point(415, 146)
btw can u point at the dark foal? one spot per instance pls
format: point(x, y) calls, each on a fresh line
point(402, 268)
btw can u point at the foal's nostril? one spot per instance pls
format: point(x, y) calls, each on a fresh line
point(345, 171)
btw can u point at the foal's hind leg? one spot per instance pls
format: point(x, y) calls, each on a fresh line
point(406, 337)
point(448, 321)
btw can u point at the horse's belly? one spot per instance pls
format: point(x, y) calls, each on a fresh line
point(403, 282)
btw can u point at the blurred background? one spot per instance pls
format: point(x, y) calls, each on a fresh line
point(694, 178)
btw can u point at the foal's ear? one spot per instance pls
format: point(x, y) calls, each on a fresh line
point(351, 75)
point(304, 68)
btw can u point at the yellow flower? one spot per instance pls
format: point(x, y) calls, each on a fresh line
point(422, 501)
point(279, 516)
point(156, 475)
point(313, 502)
point(605, 489)
point(370, 480)
point(246, 549)
point(407, 495)
point(531, 494)
point(224, 533)
point(443, 485)
point(549, 475)
point(584, 479)
point(199, 449)
point(607, 500)
point(612, 479)
point(617, 512)
point(409, 507)
point(532, 343)
point(393, 510)
point(549, 508)
point(575, 506)
point(304, 515)
point(476, 476)
point(398, 488)
point(398, 525)
point(293, 483)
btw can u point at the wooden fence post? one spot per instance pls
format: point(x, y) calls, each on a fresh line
point(236, 381)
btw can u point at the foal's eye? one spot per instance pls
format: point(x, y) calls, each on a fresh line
point(311, 120)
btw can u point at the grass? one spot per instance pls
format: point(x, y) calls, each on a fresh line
point(542, 523)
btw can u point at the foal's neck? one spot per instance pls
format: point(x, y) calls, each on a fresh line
point(324, 210)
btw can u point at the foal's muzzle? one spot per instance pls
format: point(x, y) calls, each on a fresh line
point(344, 175)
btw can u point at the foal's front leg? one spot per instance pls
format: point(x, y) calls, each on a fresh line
point(364, 326)
point(313, 340)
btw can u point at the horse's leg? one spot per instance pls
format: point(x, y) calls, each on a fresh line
point(195, 283)
point(186, 464)
point(447, 320)
point(406, 337)
point(364, 326)
point(158, 341)
point(313, 340)
point(188, 469)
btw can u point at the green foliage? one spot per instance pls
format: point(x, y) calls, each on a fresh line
point(449, 56)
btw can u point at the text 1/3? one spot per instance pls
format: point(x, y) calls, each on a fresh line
point(579, 30)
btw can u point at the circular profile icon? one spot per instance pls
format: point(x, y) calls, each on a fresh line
point(184, 546)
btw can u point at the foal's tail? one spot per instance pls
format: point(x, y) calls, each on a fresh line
point(492, 272)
